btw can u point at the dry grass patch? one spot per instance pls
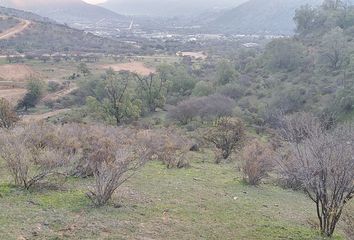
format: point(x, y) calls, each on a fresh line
point(134, 67)
point(12, 95)
point(16, 72)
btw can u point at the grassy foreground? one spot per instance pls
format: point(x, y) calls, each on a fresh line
point(206, 201)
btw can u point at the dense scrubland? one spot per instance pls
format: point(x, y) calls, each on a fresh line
point(248, 144)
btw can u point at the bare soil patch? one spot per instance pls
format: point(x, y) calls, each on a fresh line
point(135, 67)
point(196, 55)
point(12, 95)
point(16, 72)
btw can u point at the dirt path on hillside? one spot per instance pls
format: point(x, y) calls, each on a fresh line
point(59, 94)
point(44, 116)
point(15, 30)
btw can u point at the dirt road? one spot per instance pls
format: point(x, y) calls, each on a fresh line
point(15, 30)
point(62, 93)
point(44, 116)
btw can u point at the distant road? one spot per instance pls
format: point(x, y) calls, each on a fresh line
point(15, 30)
point(44, 116)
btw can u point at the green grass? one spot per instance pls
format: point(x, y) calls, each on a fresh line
point(206, 201)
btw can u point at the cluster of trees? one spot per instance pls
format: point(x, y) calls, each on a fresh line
point(123, 96)
point(311, 71)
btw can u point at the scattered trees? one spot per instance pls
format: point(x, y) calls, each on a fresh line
point(227, 135)
point(8, 116)
point(322, 161)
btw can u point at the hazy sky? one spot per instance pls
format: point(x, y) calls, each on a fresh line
point(95, 1)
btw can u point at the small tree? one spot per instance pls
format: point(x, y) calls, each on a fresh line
point(226, 135)
point(35, 91)
point(322, 161)
point(333, 52)
point(152, 90)
point(226, 73)
point(112, 98)
point(83, 68)
point(284, 54)
point(120, 103)
point(257, 162)
point(8, 116)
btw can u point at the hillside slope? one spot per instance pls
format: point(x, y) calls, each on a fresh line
point(261, 16)
point(49, 37)
point(168, 8)
point(65, 11)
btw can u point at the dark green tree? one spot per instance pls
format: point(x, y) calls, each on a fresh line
point(152, 90)
point(35, 91)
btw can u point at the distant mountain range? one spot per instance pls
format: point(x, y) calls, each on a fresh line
point(222, 16)
point(168, 8)
point(44, 36)
point(65, 11)
point(260, 16)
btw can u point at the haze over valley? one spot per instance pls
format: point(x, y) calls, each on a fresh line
point(170, 120)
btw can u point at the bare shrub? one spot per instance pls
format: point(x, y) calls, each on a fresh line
point(226, 135)
point(257, 161)
point(8, 116)
point(168, 147)
point(185, 112)
point(31, 154)
point(202, 108)
point(215, 107)
point(113, 160)
point(322, 160)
